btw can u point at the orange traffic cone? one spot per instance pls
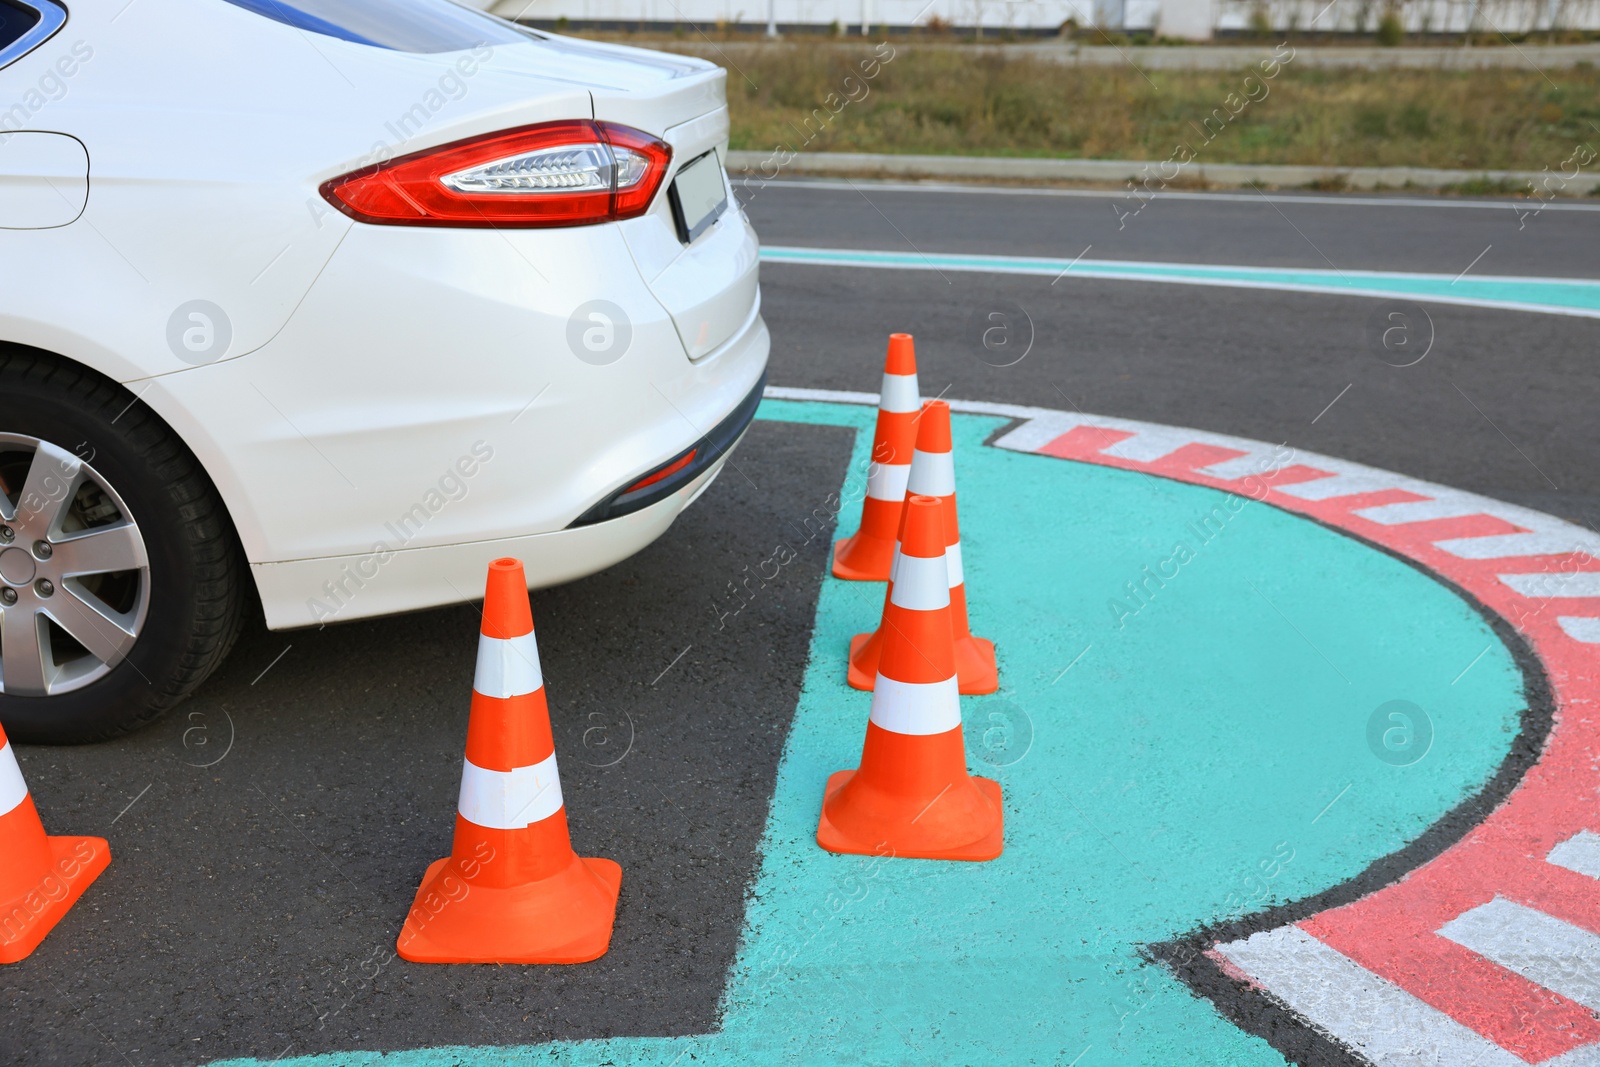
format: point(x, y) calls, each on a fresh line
point(912, 795)
point(933, 473)
point(866, 555)
point(40, 877)
point(512, 890)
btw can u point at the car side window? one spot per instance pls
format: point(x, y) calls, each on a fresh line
point(26, 24)
point(401, 25)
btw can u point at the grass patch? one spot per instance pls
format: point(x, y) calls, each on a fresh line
point(945, 101)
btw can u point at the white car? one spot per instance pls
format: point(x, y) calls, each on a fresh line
point(334, 301)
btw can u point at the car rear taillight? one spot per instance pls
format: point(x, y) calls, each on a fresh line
point(554, 174)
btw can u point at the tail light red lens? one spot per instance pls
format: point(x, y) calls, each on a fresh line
point(554, 174)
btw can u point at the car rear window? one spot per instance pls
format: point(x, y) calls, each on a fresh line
point(15, 21)
point(24, 24)
point(401, 25)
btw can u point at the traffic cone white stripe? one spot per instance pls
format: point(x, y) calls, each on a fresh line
point(952, 560)
point(919, 708)
point(920, 584)
point(13, 790)
point(899, 394)
point(887, 481)
point(507, 668)
point(509, 800)
point(932, 474)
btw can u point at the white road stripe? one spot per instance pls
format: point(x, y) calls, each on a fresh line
point(1580, 852)
point(1258, 459)
point(1451, 507)
point(1555, 583)
point(899, 394)
point(1255, 199)
point(1336, 486)
point(1039, 426)
point(1586, 1056)
point(1581, 629)
point(1502, 546)
point(887, 481)
point(917, 708)
point(1149, 446)
point(13, 790)
point(921, 584)
point(1375, 1018)
point(932, 473)
point(509, 800)
point(507, 667)
point(1038, 432)
point(1541, 948)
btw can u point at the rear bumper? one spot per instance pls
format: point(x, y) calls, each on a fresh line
point(314, 592)
point(682, 469)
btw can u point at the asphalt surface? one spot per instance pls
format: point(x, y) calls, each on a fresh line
point(1502, 404)
point(253, 904)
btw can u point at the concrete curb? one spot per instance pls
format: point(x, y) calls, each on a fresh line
point(758, 165)
point(1197, 57)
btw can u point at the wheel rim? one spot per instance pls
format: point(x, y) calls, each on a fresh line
point(74, 572)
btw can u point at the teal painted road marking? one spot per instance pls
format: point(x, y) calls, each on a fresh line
point(1197, 753)
point(1550, 296)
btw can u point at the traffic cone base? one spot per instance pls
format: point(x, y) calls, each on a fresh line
point(976, 670)
point(890, 832)
point(862, 558)
point(24, 921)
point(565, 918)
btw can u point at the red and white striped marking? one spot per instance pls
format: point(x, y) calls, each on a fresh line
point(1488, 954)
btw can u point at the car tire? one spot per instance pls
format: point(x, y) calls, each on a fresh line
point(108, 469)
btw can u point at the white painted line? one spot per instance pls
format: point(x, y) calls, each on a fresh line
point(916, 708)
point(1337, 486)
point(1586, 1056)
point(1039, 426)
point(1581, 629)
point(1284, 199)
point(1365, 1013)
point(1454, 506)
point(1543, 949)
point(1036, 433)
point(837, 396)
point(1580, 852)
point(1378, 285)
point(1503, 546)
point(1258, 459)
point(1555, 584)
point(1149, 446)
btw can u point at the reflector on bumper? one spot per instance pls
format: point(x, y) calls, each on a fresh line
point(685, 467)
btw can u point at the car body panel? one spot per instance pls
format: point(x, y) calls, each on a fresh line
point(362, 362)
point(44, 180)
